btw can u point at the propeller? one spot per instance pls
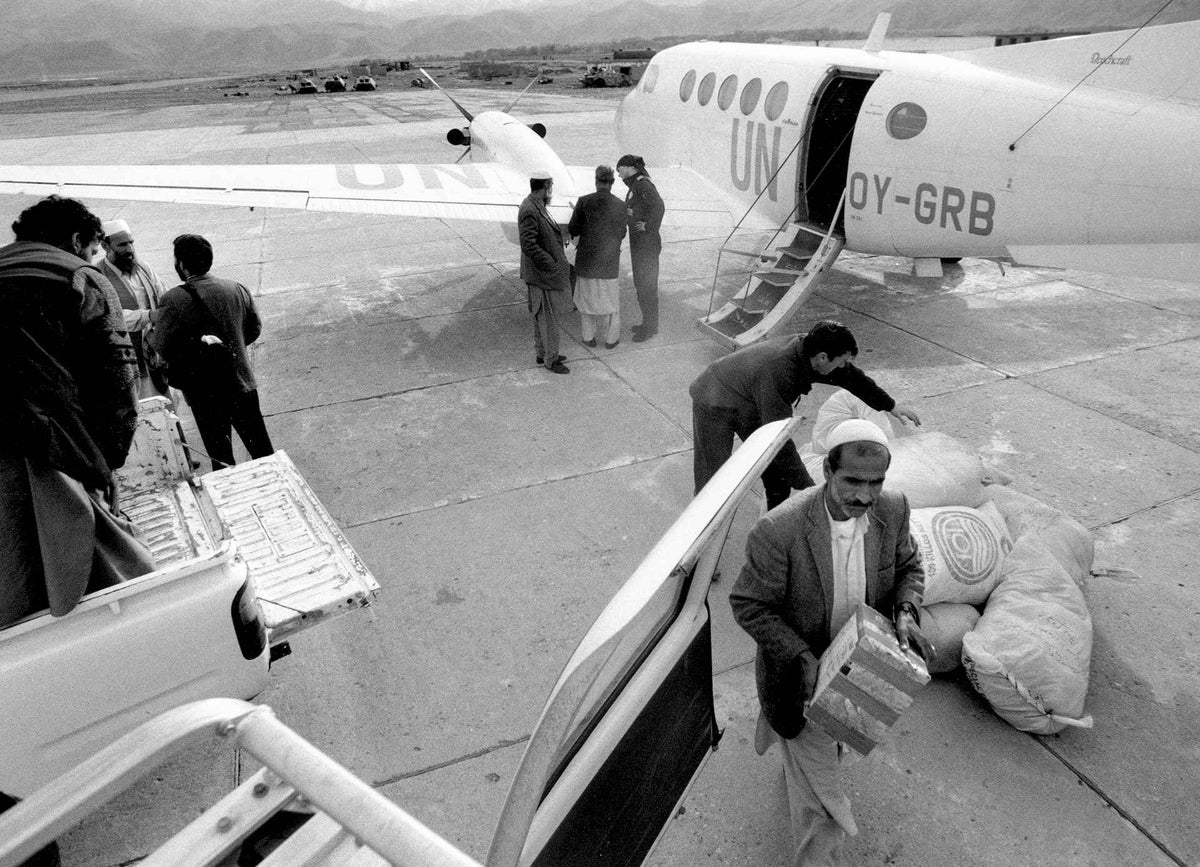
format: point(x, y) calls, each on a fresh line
point(456, 136)
point(517, 99)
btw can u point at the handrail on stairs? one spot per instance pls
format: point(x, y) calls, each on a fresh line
point(721, 251)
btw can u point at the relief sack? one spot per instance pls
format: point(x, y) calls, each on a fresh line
point(962, 550)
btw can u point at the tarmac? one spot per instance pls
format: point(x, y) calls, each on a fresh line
point(500, 506)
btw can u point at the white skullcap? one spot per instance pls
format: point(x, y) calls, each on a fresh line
point(112, 228)
point(541, 175)
point(856, 430)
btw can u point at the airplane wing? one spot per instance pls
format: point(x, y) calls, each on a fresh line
point(489, 192)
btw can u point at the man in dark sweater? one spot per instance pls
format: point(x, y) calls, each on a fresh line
point(598, 222)
point(741, 392)
point(221, 392)
point(644, 212)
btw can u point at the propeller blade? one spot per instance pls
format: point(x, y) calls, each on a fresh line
point(522, 93)
point(463, 155)
point(465, 113)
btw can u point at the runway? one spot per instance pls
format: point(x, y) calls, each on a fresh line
point(501, 506)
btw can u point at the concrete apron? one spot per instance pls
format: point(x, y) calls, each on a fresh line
point(500, 506)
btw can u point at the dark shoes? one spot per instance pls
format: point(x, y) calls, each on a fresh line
point(539, 359)
point(641, 334)
point(612, 345)
point(558, 367)
point(590, 344)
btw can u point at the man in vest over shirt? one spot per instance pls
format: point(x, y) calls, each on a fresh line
point(139, 290)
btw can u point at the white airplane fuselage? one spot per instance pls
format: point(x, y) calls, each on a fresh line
point(1110, 172)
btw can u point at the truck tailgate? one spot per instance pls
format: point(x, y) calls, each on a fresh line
point(303, 568)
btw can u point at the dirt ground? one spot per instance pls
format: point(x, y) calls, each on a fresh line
point(117, 94)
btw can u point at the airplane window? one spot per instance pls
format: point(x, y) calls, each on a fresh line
point(707, 83)
point(725, 95)
point(685, 86)
point(776, 100)
point(650, 78)
point(906, 120)
point(751, 94)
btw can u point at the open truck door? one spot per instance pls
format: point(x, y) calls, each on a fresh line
point(245, 557)
point(631, 720)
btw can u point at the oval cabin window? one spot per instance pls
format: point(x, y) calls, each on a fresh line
point(685, 86)
point(777, 98)
point(750, 95)
point(707, 83)
point(650, 78)
point(728, 89)
point(906, 120)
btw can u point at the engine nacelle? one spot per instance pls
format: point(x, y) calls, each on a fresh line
point(458, 136)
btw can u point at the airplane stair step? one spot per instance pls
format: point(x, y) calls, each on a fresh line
point(749, 254)
point(772, 295)
point(802, 252)
point(778, 276)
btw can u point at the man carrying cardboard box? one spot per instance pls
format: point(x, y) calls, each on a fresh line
point(809, 563)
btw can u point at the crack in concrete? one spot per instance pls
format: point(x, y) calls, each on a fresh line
point(408, 775)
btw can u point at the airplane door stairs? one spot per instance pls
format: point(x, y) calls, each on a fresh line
point(781, 279)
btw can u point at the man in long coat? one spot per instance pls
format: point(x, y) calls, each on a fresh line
point(545, 270)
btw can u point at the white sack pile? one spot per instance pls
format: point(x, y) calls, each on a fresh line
point(1029, 653)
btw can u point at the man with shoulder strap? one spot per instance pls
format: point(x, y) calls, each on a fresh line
point(139, 290)
point(213, 311)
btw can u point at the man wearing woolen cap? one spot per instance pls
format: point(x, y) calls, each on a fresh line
point(809, 563)
point(545, 270)
point(644, 212)
point(138, 289)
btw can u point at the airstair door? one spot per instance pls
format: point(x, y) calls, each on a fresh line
point(826, 158)
point(631, 719)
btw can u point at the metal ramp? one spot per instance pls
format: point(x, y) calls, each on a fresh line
point(781, 280)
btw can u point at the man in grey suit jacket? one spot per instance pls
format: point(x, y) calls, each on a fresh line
point(809, 562)
point(545, 270)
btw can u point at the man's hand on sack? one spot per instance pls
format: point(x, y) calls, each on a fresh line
point(904, 414)
point(908, 633)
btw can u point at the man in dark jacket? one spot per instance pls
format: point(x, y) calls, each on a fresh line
point(644, 211)
point(741, 392)
point(69, 412)
point(598, 225)
point(545, 270)
point(218, 384)
point(809, 565)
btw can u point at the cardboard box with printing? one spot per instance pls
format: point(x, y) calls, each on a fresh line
point(864, 682)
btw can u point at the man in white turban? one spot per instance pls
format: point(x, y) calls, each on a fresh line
point(809, 563)
point(139, 289)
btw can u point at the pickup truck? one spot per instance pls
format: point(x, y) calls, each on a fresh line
point(626, 729)
point(246, 556)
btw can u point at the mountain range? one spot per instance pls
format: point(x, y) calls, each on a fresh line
point(57, 39)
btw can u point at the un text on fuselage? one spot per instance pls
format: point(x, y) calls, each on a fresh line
point(945, 206)
point(758, 147)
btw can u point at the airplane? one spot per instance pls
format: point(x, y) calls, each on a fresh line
point(1077, 152)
